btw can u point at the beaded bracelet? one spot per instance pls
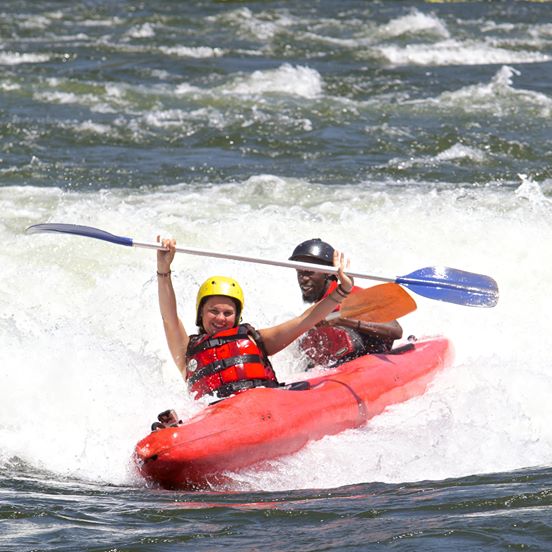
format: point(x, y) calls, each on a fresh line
point(164, 274)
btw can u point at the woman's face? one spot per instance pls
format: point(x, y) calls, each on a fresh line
point(218, 313)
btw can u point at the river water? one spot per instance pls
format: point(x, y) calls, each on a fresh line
point(408, 134)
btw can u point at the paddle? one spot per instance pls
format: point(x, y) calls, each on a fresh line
point(439, 283)
point(381, 303)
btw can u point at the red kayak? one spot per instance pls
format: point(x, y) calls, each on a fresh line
point(265, 423)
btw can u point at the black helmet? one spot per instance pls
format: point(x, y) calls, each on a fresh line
point(314, 251)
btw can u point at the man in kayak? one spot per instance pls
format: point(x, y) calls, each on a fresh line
point(342, 339)
point(226, 356)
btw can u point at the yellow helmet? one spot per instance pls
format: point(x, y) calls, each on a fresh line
point(219, 285)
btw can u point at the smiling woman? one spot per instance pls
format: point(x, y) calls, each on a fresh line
point(225, 358)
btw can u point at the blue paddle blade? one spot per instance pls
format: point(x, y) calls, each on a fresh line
point(78, 230)
point(452, 285)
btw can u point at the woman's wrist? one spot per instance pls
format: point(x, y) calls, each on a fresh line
point(164, 273)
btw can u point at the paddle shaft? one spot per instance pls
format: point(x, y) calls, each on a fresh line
point(296, 265)
point(439, 283)
point(286, 264)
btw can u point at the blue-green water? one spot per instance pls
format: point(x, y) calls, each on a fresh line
point(406, 133)
point(498, 512)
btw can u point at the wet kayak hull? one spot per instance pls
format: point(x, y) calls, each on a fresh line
point(262, 424)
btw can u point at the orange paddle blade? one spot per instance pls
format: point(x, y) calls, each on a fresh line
point(382, 303)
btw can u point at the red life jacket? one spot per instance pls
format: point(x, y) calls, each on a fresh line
point(228, 362)
point(332, 345)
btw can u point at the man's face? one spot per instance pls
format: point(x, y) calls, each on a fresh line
point(312, 284)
